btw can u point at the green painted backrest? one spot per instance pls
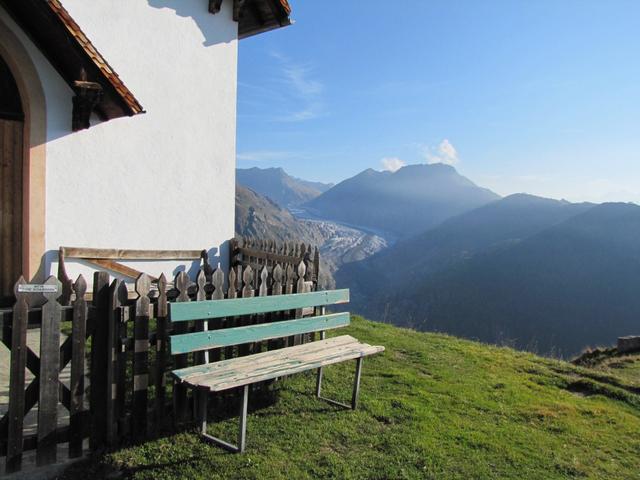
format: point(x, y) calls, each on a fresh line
point(215, 309)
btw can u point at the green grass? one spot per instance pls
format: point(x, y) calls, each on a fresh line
point(608, 361)
point(432, 406)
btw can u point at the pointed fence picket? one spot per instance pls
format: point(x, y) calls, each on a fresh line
point(120, 389)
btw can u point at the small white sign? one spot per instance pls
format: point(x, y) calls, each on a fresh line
point(37, 289)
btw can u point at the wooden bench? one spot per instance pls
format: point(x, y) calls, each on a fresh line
point(250, 369)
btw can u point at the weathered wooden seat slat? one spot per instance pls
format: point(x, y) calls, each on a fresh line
point(236, 307)
point(238, 372)
point(198, 341)
point(244, 371)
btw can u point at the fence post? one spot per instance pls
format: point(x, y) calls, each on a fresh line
point(232, 292)
point(247, 291)
point(161, 354)
point(121, 340)
point(276, 289)
point(217, 280)
point(16, 381)
point(141, 357)
point(99, 342)
point(78, 342)
point(289, 283)
point(263, 291)
point(46, 452)
point(112, 360)
point(201, 281)
point(301, 287)
point(180, 404)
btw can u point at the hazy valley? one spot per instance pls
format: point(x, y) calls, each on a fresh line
point(539, 274)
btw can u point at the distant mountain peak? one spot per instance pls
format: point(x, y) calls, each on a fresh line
point(276, 184)
point(404, 202)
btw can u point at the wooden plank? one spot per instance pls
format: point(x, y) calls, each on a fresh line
point(288, 290)
point(273, 257)
point(194, 342)
point(35, 315)
point(246, 306)
point(99, 387)
point(201, 280)
point(11, 207)
point(113, 320)
point(18, 181)
point(161, 355)
point(121, 380)
point(276, 289)
point(78, 339)
point(217, 280)
point(301, 288)
point(126, 254)
point(118, 268)
point(232, 293)
point(214, 6)
point(49, 372)
point(16, 381)
point(263, 291)
point(283, 362)
point(247, 291)
point(141, 358)
point(226, 367)
point(180, 405)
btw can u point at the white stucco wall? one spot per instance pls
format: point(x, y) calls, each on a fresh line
point(164, 179)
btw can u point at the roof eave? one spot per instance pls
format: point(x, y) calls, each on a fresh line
point(70, 52)
point(263, 29)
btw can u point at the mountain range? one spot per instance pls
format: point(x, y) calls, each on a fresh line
point(402, 203)
point(535, 273)
point(258, 216)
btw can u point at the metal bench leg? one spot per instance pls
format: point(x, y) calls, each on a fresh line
point(356, 387)
point(242, 433)
point(202, 410)
point(319, 383)
point(356, 383)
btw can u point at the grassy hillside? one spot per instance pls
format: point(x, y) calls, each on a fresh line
point(432, 406)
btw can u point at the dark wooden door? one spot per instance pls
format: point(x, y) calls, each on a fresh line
point(11, 178)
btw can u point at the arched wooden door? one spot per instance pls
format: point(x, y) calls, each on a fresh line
point(11, 181)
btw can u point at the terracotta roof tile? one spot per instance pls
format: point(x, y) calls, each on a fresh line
point(286, 6)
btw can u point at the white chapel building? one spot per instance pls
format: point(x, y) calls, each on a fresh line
point(118, 127)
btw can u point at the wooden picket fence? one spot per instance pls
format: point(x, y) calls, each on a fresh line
point(258, 253)
point(119, 390)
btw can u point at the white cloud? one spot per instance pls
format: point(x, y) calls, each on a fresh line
point(392, 164)
point(298, 78)
point(445, 153)
point(301, 89)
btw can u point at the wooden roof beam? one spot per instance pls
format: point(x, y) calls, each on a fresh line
point(214, 6)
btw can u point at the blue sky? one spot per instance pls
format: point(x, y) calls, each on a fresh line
point(521, 96)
